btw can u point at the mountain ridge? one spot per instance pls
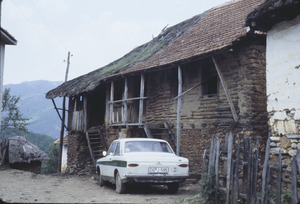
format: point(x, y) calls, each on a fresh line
point(34, 105)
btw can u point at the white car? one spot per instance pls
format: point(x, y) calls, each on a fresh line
point(142, 160)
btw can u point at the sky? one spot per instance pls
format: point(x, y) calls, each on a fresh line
point(96, 32)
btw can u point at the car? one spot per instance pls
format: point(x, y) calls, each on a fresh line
point(142, 160)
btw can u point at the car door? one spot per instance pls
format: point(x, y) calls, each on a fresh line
point(106, 162)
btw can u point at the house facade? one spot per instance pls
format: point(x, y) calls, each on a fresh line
point(281, 21)
point(203, 77)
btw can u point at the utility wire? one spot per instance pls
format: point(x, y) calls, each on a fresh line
point(33, 26)
point(47, 25)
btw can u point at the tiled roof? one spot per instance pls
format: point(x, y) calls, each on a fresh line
point(271, 12)
point(210, 31)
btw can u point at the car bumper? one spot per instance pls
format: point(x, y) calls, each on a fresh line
point(155, 179)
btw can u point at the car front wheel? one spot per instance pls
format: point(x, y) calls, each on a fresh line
point(120, 187)
point(100, 179)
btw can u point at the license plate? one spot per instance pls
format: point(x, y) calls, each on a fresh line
point(158, 170)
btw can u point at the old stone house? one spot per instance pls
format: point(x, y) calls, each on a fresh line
point(281, 21)
point(202, 77)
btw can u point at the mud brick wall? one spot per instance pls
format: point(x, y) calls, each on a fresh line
point(79, 159)
point(202, 117)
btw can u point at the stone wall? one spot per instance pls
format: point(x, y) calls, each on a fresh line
point(204, 116)
point(79, 159)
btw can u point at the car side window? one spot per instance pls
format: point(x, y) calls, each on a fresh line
point(112, 148)
point(117, 152)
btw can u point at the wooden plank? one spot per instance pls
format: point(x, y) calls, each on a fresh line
point(85, 113)
point(236, 175)
point(229, 157)
point(55, 107)
point(254, 176)
point(147, 131)
point(90, 148)
point(170, 132)
point(235, 182)
point(212, 155)
point(294, 181)
point(249, 170)
point(204, 164)
point(264, 172)
point(142, 93)
point(235, 117)
point(178, 111)
point(268, 185)
point(124, 119)
point(111, 111)
point(217, 166)
point(279, 171)
point(298, 159)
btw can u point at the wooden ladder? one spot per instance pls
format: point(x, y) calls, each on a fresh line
point(96, 144)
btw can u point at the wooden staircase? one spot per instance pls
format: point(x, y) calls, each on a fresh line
point(161, 131)
point(96, 143)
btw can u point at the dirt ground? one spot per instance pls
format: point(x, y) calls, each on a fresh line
point(26, 187)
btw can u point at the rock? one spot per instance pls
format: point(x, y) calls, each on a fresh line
point(292, 153)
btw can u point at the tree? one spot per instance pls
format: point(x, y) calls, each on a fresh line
point(11, 116)
point(50, 166)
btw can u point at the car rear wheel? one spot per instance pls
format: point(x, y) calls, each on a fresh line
point(120, 187)
point(100, 179)
point(173, 187)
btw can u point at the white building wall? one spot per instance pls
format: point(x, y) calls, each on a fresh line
point(283, 85)
point(64, 158)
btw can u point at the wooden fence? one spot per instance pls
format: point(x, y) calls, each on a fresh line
point(245, 172)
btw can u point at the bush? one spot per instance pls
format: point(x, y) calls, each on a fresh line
point(50, 166)
point(209, 192)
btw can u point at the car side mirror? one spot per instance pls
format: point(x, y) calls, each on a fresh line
point(104, 153)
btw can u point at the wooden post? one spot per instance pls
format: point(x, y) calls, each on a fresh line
point(229, 156)
point(264, 173)
point(217, 168)
point(212, 154)
point(178, 110)
point(63, 121)
point(125, 101)
point(235, 117)
point(235, 188)
point(204, 164)
point(85, 118)
point(111, 111)
point(294, 181)
point(142, 92)
point(279, 171)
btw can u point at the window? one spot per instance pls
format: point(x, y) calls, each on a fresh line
point(112, 148)
point(117, 152)
point(209, 79)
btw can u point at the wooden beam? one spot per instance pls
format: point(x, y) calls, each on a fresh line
point(124, 119)
point(85, 113)
point(178, 110)
point(55, 107)
point(217, 65)
point(111, 110)
point(173, 99)
point(142, 92)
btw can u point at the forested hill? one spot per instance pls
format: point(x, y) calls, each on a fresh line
point(34, 105)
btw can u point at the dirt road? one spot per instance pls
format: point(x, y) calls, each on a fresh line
point(21, 186)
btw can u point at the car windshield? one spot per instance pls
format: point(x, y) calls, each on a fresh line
point(147, 146)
